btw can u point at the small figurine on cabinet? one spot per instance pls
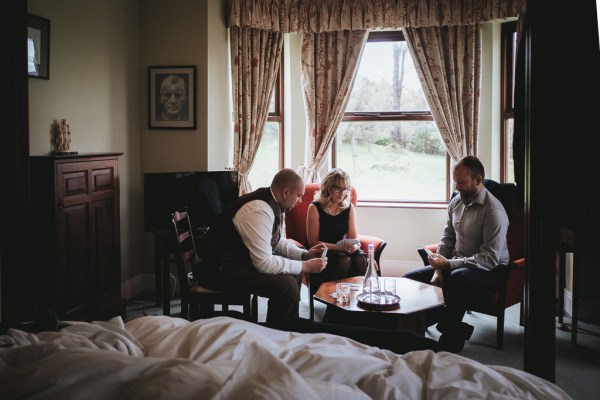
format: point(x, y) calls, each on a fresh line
point(63, 138)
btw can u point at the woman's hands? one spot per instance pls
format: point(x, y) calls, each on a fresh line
point(350, 248)
point(348, 245)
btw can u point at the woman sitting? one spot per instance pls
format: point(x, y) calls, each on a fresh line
point(331, 220)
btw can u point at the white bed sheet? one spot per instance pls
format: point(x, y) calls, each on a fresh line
point(224, 358)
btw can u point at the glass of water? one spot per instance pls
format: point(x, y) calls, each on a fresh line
point(342, 291)
point(389, 287)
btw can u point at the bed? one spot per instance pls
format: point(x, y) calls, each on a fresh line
point(160, 357)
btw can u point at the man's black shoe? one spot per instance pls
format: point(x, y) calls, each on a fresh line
point(454, 339)
point(461, 329)
point(454, 344)
point(467, 330)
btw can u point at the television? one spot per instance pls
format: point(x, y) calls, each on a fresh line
point(202, 193)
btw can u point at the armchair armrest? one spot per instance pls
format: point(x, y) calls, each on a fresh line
point(519, 264)
point(515, 283)
point(423, 253)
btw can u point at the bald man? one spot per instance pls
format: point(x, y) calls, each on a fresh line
point(245, 252)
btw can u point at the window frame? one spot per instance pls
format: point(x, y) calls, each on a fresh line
point(278, 114)
point(507, 85)
point(376, 116)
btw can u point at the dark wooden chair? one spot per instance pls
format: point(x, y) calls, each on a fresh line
point(512, 283)
point(295, 229)
point(198, 301)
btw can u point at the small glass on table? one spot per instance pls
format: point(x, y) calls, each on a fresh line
point(389, 287)
point(342, 292)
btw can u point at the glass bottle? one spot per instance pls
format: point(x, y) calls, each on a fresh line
point(371, 289)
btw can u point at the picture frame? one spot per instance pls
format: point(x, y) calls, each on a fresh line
point(172, 97)
point(38, 47)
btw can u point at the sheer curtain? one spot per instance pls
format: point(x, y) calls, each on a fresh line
point(329, 65)
point(448, 63)
point(255, 59)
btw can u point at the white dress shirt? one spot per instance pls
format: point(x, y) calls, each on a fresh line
point(254, 222)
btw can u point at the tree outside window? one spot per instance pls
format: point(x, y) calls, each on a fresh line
point(387, 140)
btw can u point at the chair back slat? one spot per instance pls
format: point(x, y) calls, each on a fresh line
point(186, 256)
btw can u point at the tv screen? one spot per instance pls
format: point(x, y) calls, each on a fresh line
point(203, 193)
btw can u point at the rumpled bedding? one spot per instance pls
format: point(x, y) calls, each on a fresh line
point(159, 357)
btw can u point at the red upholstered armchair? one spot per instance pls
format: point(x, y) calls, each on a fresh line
point(510, 289)
point(295, 229)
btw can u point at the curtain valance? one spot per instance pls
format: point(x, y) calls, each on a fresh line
point(336, 15)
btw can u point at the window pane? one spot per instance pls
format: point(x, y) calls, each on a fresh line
point(272, 104)
point(510, 161)
point(513, 69)
point(382, 64)
point(266, 162)
point(393, 160)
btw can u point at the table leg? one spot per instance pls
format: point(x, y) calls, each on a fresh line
point(575, 299)
point(166, 287)
point(562, 272)
point(157, 271)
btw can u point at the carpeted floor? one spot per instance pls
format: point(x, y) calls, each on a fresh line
point(577, 366)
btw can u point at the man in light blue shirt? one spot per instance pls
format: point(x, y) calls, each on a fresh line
point(471, 249)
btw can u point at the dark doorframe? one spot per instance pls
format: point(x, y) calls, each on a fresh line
point(561, 127)
point(14, 159)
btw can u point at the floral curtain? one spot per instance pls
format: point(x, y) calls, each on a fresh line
point(255, 59)
point(329, 64)
point(448, 63)
point(335, 15)
point(450, 77)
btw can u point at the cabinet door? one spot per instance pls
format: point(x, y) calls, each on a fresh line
point(88, 251)
point(74, 271)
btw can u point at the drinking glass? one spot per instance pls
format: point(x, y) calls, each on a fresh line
point(342, 291)
point(389, 287)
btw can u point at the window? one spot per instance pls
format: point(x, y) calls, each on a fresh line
point(387, 140)
point(269, 156)
point(509, 56)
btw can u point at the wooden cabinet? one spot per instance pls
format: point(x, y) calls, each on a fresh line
point(76, 240)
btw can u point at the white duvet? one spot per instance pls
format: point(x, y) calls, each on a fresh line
point(224, 358)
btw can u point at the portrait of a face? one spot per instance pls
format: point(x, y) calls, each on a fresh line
point(173, 99)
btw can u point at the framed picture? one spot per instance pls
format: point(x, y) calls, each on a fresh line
point(172, 97)
point(38, 47)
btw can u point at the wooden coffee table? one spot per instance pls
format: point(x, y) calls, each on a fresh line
point(416, 301)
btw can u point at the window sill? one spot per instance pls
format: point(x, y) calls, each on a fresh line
point(391, 204)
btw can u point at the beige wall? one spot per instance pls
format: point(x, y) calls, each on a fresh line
point(94, 84)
